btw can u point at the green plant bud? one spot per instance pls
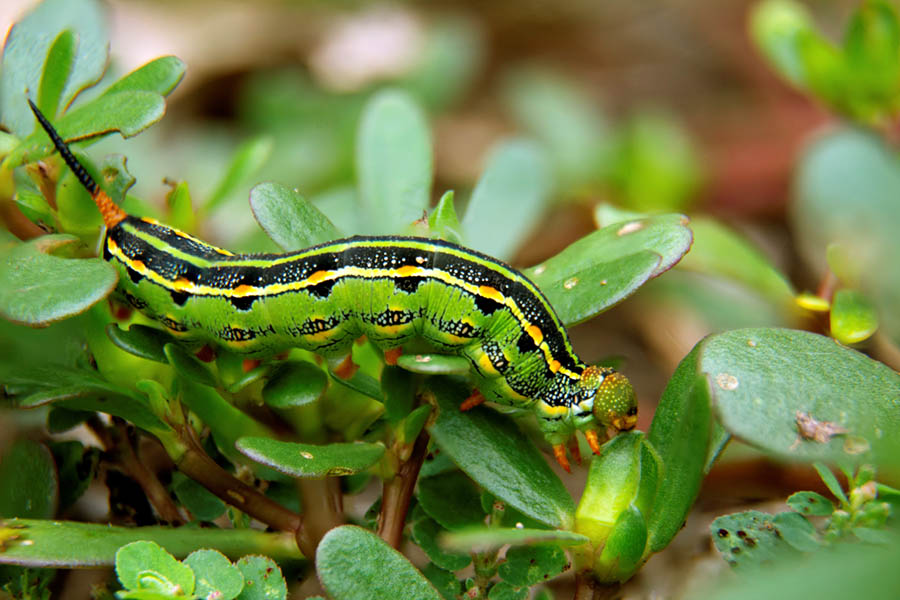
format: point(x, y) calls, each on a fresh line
point(619, 494)
point(624, 548)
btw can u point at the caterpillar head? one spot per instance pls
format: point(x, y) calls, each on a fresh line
point(615, 404)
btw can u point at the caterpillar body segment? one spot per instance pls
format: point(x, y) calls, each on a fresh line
point(390, 289)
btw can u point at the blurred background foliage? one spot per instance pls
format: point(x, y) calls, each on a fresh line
point(773, 125)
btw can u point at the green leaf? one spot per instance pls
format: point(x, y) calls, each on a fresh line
point(78, 389)
point(28, 44)
point(586, 293)
point(141, 340)
point(38, 288)
point(565, 120)
point(76, 468)
point(214, 574)
point(767, 383)
point(749, 539)
point(513, 190)
point(352, 564)
point(831, 483)
point(477, 539)
point(449, 60)
point(181, 208)
point(434, 364)
point(777, 26)
point(288, 218)
point(67, 544)
point(293, 384)
point(262, 579)
point(853, 317)
point(491, 450)
point(720, 252)
point(197, 499)
point(503, 590)
point(529, 565)
point(624, 474)
point(810, 504)
point(393, 162)
point(656, 167)
point(451, 499)
point(848, 571)
point(189, 365)
point(399, 390)
point(226, 421)
point(307, 460)
point(128, 112)
point(425, 534)
point(606, 266)
point(624, 549)
point(76, 211)
point(848, 183)
point(361, 383)
point(29, 485)
point(414, 422)
point(116, 178)
point(797, 531)
point(680, 433)
point(247, 160)
point(444, 581)
point(160, 75)
point(443, 222)
point(56, 73)
point(139, 563)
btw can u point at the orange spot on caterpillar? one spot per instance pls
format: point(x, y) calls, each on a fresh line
point(536, 334)
point(554, 365)
point(318, 277)
point(391, 356)
point(242, 290)
point(182, 284)
point(408, 270)
point(491, 293)
point(138, 265)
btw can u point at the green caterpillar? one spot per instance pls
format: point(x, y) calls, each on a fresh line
point(389, 289)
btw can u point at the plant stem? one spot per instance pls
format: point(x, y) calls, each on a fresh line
point(586, 588)
point(398, 492)
point(323, 506)
point(117, 442)
point(196, 464)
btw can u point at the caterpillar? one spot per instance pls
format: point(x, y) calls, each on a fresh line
point(390, 289)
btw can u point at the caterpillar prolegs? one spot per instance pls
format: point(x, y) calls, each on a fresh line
point(390, 289)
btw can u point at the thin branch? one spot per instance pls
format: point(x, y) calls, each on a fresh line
point(398, 492)
point(196, 464)
point(117, 442)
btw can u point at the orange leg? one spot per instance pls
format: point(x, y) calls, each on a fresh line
point(120, 312)
point(472, 401)
point(346, 369)
point(574, 450)
point(559, 451)
point(593, 440)
point(391, 356)
point(249, 364)
point(206, 354)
